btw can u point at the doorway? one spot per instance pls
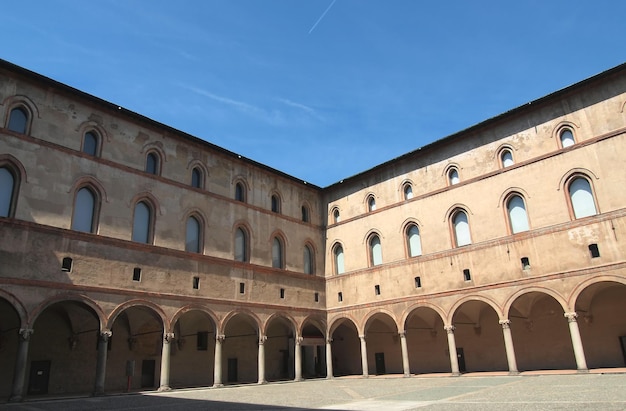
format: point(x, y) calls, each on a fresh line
point(147, 373)
point(461, 358)
point(379, 357)
point(232, 370)
point(39, 377)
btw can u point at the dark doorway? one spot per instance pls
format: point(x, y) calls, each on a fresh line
point(39, 377)
point(380, 363)
point(147, 373)
point(461, 358)
point(232, 370)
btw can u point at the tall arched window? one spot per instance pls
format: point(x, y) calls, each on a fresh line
point(567, 138)
point(518, 218)
point(193, 236)
point(305, 214)
point(408, 191)
point(336, 215)
point(143, 223)
point(338, 259)
point(581, 198)
point(240, 194)
point(371, 203)
point(461, 229)
point(506, 157)
point(453, 176)
point(309, 266)
point(376, 251)
point(7, 191)
point(90, 143)
point(153, 163)
point(85, 211)
point(241, 245)
point(413, 241)
point(277, 253)
point(197, 177)
point(18, 120)
point(275, 204)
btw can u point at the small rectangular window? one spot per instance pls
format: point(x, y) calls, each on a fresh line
point(466, 275)
point(340, 296)
point(66, 264)
point(594, 250)
point(242, 288)
point(137, 274)
point(196, 283)
point(418, 282)
point(525, 263)
point(317, 297)
point(282, 293)
point(377, 289)
point(202, 343)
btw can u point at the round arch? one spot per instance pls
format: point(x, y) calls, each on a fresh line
point(139, 303)
point(474, 297)
point(60, 298)
point(409, 311)
point(511, 299)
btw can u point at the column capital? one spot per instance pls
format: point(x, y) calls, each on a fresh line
point(505, 323)
point(329, 340)
point(168, 337)
point(402, 334)
point(262, 339)
point(362, 336)
point(571, 317)
point(449, 329)
point(299, 340)
point(25, 333)
point(105, 335)
point(220, 337)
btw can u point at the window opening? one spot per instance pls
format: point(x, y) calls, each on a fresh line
point(242, 288)
point(202, 340)
point(418, 282)
point(192, 240)
point(18, 120)
point(152, 164)
point(567, 138)
point(239, 192)
point(241, 250)
point(525, 263)
point(594, 251)
point(414, 241)
point(7, 188)
point(66, 264)
point(196, 178)
point(507, 158)
point(453, 176)
point(376, 254)
point(461, 229)
point(141, 223)
point(84, 211)
point(377, 289)
point(371, 203)
point(308, 260)
point(339, 259)
point(282, 293)
point(275, 204)
point(408, 192)
point(466, 275)
point(340, 296)
point(518, 218)
point(305, 214)
point(581, 198)
point(336, 215)
point(137, 274)
point(277, 253)
point(196, 283)
point(317, 297)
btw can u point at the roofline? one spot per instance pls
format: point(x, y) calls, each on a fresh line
point(156, 124)
point(491, 121)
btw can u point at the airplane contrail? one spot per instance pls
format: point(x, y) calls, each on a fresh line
point(322, 16)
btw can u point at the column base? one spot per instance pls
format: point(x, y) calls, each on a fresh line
point(514, 372)
point(407, 375)
point(262, 382)
point(217, 385)
point(583, 371)
point(16, 398)
point(164, 388)
point(298, 379)
point(330, 377)
point(455, 374)
point(98, 394)
point(365, 376)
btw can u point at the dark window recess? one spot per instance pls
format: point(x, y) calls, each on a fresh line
point(196, 283)
point(317, 297)
point(282, 293)
point(466, 275)
point(66, 264)
point(340, 296)
point(418, 282)
point(242, 288)
point(377, 289)
point(137, 274)
point(525, 263)
point(202, 340)
point(594, 250)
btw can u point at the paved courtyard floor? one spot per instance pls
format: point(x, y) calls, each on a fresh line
point(594, 391)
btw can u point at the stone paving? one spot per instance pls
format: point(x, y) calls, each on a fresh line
point(593, 391)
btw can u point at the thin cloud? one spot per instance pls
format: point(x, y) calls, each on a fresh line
point(309, 110)
point(225, 100)
point(322, 16)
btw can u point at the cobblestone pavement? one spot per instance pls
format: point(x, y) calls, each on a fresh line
point(536, 392)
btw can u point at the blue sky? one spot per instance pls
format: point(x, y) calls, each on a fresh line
point(319, 89)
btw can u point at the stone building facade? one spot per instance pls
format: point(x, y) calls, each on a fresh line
point(135, 256)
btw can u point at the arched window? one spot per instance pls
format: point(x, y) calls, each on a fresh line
point(376, 252)
point(277, 253)
point(338, 259)
point(413, 241)
point(90, 143)
point(143, 223)
point(461, 229)
point(153, 163)
point(305, 214)
point(518, 218)
point(275, 204)
point(336, 215)
point(581, 198)
point(18, 120)
point(453, 176)
point(240, 194)
point(85, 211)
point(567, 138)
point(8, 187)
point(408, 191)
point(241, 245)
point(506, 157)
point(371, 203)
point(193, 236)
point(197, 177)
point(309, 266)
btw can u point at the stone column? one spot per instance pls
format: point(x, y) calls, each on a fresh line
point(262, 340)
point(405, 354)
point(20, 365)
point(165, 362)
point(329, 358)
point(454, 360)
point(508, 346)
point(577, 343)
point(101, 365)
point(298, 358)
point(217, 361)
point(364, 356)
